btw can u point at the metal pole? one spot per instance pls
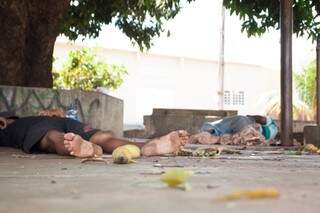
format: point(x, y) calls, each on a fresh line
point(318, 81)
point(221, 60)
point(286, 22)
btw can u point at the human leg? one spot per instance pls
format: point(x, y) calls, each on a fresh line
point(108, 141)
point(52, 142)
point(166, 144)
point(204, 138)
point(79, 147)
point(169, 143)
point(68, 144)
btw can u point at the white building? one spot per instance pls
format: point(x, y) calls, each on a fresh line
point(161, 81)
point(181, 71)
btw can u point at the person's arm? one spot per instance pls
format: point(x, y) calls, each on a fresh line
point(258, 119)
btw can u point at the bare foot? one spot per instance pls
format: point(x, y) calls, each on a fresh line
point(81, 148)
point(167, 144)
point(204, 138)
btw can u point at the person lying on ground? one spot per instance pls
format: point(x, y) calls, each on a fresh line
point(238, 130)
point(65, 136)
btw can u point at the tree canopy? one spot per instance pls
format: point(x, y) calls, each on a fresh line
point(29, 29)
point(260, 15)
point(140, 20)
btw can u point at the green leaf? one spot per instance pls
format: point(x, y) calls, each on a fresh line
point(82, 70)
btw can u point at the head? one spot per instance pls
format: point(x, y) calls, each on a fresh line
point(258, 119)
point(7, 118)
point(270, 129)
point(3, 122)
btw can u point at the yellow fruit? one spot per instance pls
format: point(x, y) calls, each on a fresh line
point(175, 177)
point(125, 154)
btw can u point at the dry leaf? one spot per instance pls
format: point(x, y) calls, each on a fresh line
point(310, 148)
point(176, 177)
point(100, 159)
point(251, 194)
point(200, 152)
point(23, 156)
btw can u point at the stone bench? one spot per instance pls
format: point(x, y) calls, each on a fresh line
point(298, 129)
point(97, 109)
point(163, 121)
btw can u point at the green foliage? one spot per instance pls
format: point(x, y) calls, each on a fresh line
point(305, 83)
point(140, 20)
point(260, 15)
point(83, 71)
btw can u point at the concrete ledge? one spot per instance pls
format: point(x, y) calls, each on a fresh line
point(97, 109)
point(298, 129)
point(194, 112)
point(312, 135)
point(163, 121)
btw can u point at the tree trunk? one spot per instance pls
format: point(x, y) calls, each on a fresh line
point(27, 35)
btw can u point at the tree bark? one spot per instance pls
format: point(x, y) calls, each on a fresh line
point(28, 32)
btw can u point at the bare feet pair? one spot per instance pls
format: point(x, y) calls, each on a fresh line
point(167, 144)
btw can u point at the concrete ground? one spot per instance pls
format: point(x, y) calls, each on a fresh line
point(50, 183)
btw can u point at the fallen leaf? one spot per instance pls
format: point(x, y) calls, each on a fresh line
point(200, 152)
point(176, 177)
point(151, 173)
point(261, 193)
point(23, 156)
point(100, 159)
point(310, 148)
point(185, 152)
point(294, 152)
point(229, 151)
point(212, 186)
point(206, 152)
point(166, 165)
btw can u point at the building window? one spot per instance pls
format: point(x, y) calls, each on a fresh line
point(241, 98)
point(227, 98)
point(234, 98)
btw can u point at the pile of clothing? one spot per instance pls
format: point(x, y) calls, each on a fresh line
point(242, 130)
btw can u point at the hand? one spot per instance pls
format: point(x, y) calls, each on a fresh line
point(52, 113)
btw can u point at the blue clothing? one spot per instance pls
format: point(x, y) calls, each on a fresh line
point(229, 125)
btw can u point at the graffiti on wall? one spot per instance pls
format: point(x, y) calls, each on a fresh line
point(29, 101)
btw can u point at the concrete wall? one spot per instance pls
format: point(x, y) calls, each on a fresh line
point(99, 110)
point(162, 81)
point(163, 121)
